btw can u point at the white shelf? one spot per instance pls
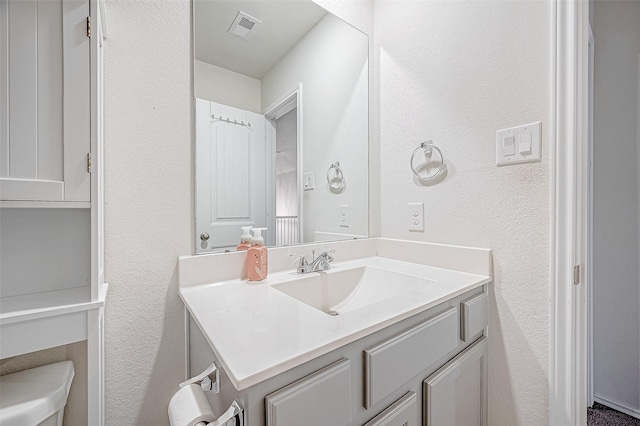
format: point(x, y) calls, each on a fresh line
point(39, 305)
point(49, 319)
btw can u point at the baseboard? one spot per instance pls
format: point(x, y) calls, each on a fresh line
point(633, 412)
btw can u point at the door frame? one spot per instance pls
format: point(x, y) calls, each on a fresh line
point(589, 268)
point(569, 247)
point(292, 98)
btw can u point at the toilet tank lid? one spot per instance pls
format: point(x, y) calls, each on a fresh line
point(31, 396)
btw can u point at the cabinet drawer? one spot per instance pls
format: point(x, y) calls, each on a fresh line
point(394, 362)
point(403, 412)
point(321, 399)
point(474, 313)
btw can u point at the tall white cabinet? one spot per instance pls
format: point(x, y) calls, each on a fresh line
point(46, 100)
point(52, 290)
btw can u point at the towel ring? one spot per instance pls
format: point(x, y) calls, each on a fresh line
point(335, 177)
point(427, 147)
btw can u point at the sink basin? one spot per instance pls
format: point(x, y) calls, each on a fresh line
point(338, 291)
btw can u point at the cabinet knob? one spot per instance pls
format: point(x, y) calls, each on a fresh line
point(204, 236)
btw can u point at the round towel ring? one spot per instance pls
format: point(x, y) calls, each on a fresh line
point(427, 147)
point(335, 177)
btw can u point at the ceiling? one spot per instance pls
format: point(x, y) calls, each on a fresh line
point(284, 23)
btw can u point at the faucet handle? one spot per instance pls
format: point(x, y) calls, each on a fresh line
point(327, 255)
point(301, 258)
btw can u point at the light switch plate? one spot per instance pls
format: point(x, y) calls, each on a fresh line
point(528, 144)
point(307, 181)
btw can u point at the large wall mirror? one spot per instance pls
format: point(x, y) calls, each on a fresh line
point(282, 134)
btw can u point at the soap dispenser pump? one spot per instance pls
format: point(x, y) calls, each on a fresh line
point(257, 257)
point(245, 238)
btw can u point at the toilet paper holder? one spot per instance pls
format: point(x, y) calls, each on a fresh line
point(209, 379)
point(235, 413)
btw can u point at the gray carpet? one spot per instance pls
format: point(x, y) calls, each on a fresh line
point(601, 415)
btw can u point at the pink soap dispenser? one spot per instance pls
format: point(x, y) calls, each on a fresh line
point(257, 257)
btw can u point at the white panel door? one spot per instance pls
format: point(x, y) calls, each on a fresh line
point(44, 100)
point(231, 174)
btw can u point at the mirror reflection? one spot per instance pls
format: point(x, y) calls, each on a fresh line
point(281, 123)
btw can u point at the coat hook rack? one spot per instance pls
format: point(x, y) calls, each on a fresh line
point(228, 120)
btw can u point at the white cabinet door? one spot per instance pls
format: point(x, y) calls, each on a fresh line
point(231, 177)
point(320, 399)
point(456, 394)
point(44, 100)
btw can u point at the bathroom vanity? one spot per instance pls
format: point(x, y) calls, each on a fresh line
point(405, 343)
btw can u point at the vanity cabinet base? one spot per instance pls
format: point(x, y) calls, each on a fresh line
point(332, 389)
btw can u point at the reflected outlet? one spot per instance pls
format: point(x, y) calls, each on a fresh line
point(344, 216)
point(416, 217)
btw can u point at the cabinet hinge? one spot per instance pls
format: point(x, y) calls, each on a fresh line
point(89, 163)
point(89, 26)
point(576, 275)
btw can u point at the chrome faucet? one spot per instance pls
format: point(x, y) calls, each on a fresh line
point(320, 263)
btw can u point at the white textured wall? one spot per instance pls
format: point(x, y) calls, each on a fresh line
point(148, 204)
point(616, 283)
point(226, 87)
point(358, 13)
point(455, 72)
point(331, 63)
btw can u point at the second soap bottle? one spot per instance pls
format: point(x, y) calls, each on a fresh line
point(257, 257)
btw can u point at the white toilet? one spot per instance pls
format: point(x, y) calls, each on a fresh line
point(36, 396)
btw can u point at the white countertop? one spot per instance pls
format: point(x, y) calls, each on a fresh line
point(258, 332)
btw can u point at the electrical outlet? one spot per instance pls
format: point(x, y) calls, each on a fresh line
point(344, 216)
point(416, 217)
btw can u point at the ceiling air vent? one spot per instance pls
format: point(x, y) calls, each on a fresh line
point(244, 25)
